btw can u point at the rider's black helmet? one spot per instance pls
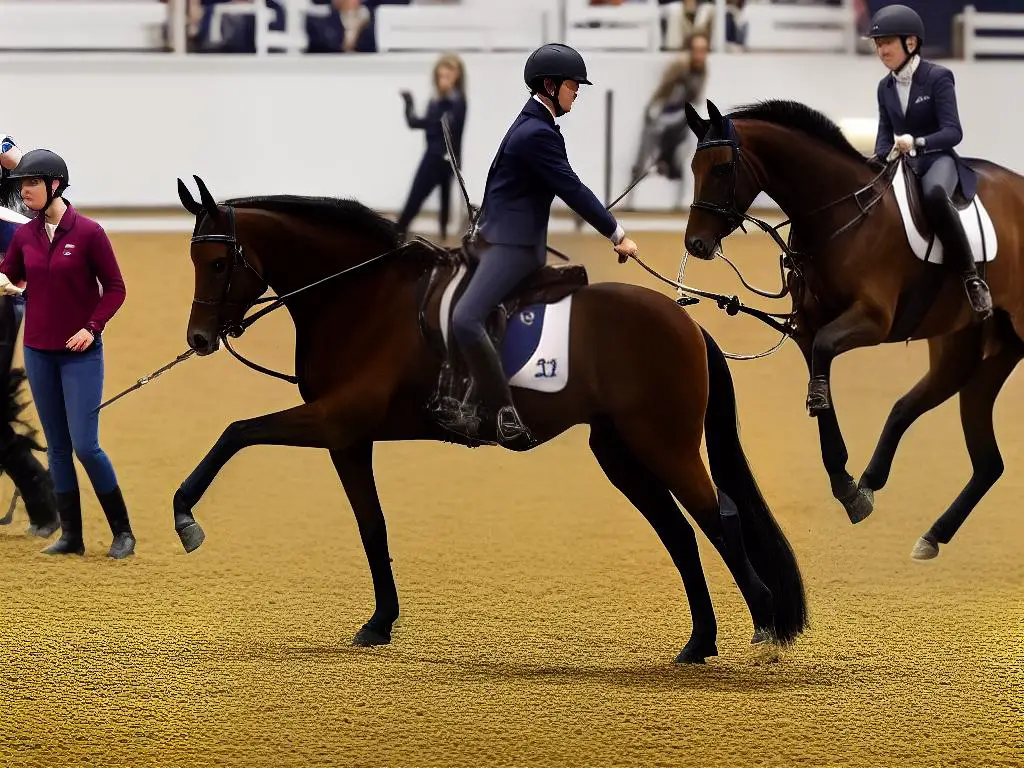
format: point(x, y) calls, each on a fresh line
point(897, 21)
point(44, 164)
point(557, 61)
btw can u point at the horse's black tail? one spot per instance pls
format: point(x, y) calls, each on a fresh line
point(766, 545)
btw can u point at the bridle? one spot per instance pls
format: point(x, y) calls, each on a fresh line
point(236, 262)
point(735, 218)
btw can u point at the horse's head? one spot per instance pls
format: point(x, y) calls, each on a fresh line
point(227, 283)
point(723, 186)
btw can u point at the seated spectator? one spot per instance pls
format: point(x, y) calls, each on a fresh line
point(237, 33)
point(347, 29)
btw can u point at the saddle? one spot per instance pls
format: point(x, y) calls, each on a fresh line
point(915, 202)
point(441, 288)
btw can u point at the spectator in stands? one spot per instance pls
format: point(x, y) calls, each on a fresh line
point(74, 287)
point(665, 130)
point(348, 28)
point(237, 33)
point(435, 170)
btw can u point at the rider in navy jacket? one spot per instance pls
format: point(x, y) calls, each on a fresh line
point(530, 168)
point(917, 113)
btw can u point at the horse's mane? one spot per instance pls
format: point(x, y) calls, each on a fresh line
point(799, 117)
point(341, 213)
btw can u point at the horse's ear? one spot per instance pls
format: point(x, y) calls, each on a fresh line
point(697, 124)
point(208, 202)
point(714, 114)
point(187, 200)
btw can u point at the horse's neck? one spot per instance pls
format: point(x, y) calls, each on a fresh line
point(804, 176)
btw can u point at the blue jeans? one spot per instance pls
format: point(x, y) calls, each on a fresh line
point(66, 388)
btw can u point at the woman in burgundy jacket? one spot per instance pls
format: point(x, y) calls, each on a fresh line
point(74, 287)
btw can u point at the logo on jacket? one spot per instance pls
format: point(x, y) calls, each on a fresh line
point(919, 99)
point(68, 248)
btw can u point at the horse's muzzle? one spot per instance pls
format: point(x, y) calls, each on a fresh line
point(203, 343)
point(701, 248)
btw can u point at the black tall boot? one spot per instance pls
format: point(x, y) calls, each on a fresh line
point(34, 483)
point(69, 507)
point(489, 377)
point(114, 508)
point(958, 254)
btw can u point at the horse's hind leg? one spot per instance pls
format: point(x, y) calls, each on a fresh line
point(952, 361)
point(649, 495)
point(355, 469)
point(977, 400)
point(678, 464)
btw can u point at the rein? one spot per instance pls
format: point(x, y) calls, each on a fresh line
point(272, 302)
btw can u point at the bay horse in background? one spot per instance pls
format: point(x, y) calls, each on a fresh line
point(371, 355)
point(861, 271)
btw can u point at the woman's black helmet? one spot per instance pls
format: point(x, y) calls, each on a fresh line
point(46, 165)
point(897, 21)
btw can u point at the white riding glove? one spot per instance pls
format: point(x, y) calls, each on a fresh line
point(7, 288)
point(905, 143)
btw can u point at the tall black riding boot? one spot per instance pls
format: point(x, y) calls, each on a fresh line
point(34, 483)
point(958, 254)
point(489, 377)
point(69, 507)
point(114, 508)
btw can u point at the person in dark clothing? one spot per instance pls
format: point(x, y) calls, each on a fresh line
point(919, 117)
point(434, 169)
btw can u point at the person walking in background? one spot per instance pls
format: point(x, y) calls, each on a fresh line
point(74, 289)
point(664, 133)
point(434, 169)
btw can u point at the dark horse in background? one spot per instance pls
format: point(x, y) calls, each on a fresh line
point(856, 280)
point(645, 377)
point(17, 438)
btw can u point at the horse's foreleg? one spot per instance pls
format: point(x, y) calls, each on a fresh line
point(312, 425)
point(355, 469)
point(952, 361)
point(834, 456)
point(857, 327)
point(977, 400)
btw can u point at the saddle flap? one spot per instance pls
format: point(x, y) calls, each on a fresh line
point(550, 284)
point(920, 233)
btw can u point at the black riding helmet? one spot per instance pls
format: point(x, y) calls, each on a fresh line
point(46, 165)
point(557, 61)
point(898, 21)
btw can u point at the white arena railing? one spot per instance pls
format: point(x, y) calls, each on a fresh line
point(1009, 44)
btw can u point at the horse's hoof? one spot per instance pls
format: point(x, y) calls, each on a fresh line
point(926, 548)
point(696, 651)
point(860, 504)
point(191, 535)
point(763, 635)
point(368, 636)
point(44, 531)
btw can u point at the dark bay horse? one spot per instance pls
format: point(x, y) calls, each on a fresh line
point(856, 281)
point(645, 377)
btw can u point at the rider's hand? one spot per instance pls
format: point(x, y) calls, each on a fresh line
point(625, 249)
point(905, 143)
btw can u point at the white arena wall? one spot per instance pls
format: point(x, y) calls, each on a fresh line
point(130, 124)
